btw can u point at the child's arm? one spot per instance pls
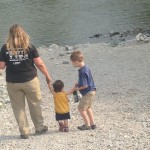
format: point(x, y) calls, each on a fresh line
point(71, 91)
point(81, 88)
point(51, 88)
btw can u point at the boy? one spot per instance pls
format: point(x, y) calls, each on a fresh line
point(87, 88)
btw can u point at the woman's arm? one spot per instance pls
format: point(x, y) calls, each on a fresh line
point(41, 66)
point(2, 65)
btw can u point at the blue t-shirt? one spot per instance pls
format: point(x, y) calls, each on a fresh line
point(86, 79)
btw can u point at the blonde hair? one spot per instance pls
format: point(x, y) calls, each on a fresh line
point(17, 39)
point(76, 56)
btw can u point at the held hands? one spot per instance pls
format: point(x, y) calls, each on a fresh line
point(48, 80)
point(76, 87)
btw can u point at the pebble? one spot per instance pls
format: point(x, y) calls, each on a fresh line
point(69, 48)
point(1, 105)
point(65, 62)
point(61, 54)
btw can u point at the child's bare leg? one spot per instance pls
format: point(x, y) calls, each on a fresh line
point(61, 125)
point(66, 128)
point(91, 116)
point(84, 116)
point(66, 123)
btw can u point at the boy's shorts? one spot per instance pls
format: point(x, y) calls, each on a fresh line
point(87, 100)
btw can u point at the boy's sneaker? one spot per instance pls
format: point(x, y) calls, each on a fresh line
point(84, 127)
point(93, 126)
point(61, 127)
point(66, 129)
point(24, 136)
point(45, 128)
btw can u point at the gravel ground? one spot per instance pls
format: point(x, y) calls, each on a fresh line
point(122, 104)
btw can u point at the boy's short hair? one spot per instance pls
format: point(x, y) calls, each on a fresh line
point(76, 56)
point(58, 85)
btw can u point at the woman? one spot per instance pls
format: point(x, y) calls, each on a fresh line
point(18, 56)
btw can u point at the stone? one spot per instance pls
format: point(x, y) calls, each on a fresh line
point(112, 33)
point(95, 36)
point(76, 47)
point(1, 105)
point(122, 39)
point(65, 62)
point(69, 48)
point(69, 52)
point(141, 37)
point(61, 54)
point(138, 37)
point(54, 47)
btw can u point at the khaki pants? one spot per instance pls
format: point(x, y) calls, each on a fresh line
point(87, 100)
point(31, 91)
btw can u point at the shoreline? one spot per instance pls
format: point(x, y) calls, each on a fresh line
point(122, 105)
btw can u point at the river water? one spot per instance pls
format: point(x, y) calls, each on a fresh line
point(72, 21)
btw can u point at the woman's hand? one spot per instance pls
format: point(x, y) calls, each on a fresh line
point(48, 80)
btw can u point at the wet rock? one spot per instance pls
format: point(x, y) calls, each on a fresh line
point(113, 33)
point(106, 36)
point(120, 35)
point(122, 39)
point(95, 36)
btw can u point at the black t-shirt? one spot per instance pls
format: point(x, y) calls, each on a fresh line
point(19, 67)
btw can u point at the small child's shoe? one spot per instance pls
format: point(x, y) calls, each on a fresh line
point(66, 129)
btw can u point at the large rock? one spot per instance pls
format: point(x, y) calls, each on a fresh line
point(141, 37)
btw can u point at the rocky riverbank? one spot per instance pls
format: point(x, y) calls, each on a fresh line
point(122, 104)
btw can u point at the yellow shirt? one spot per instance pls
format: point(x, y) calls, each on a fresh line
point(61, 103)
